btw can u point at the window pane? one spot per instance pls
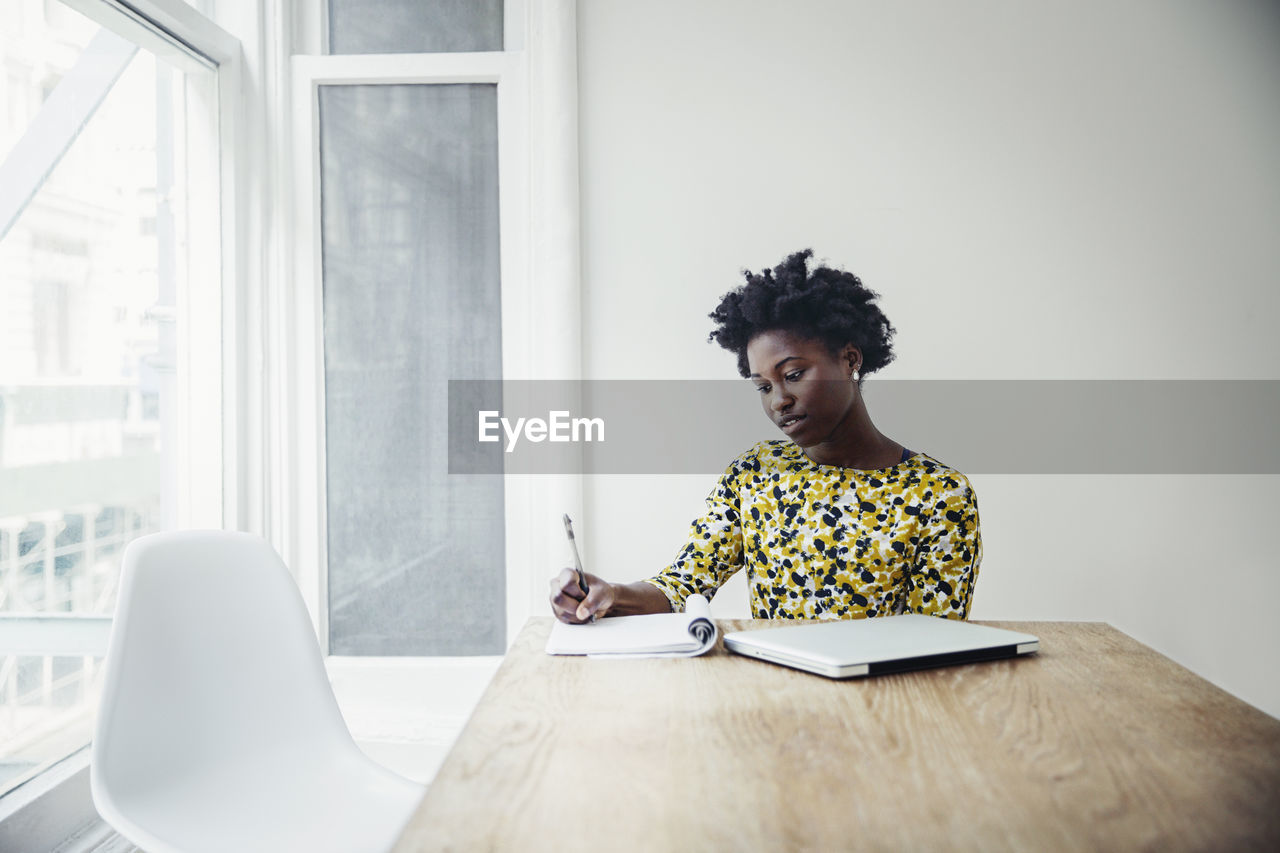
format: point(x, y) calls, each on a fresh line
point(86, 353)
point(409, 177)
point(414, 26)
point(46, 711)
point(94, 177)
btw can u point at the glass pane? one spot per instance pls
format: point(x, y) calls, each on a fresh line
point(409, 177)
point(94, 178)
point(414, 26)
point(87, 344)
point(46, 711)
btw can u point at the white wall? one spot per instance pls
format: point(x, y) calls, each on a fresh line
point(1038, 190)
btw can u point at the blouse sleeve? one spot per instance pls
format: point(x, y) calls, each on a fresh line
point(714, 550)
point(948, 554)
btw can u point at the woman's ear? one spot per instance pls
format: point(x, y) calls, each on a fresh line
point(852, 356)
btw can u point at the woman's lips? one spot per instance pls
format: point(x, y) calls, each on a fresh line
point(791, 423)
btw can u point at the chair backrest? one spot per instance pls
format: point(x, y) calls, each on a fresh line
point(212, 657)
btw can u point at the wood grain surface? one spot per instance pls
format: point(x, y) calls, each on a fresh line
point(1096, 742)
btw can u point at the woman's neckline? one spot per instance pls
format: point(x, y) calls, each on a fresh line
point(915, 454)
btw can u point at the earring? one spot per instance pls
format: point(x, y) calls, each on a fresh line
point(854, 377)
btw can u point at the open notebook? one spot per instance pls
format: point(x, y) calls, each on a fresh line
point(686, 634)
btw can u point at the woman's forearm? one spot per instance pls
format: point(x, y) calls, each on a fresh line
point(636, 598)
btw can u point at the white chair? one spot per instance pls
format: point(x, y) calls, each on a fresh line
point(218, 729)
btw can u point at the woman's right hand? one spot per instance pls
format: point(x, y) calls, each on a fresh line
point(570, 605)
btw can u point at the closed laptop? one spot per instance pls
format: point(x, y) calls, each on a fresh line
point(860, 647)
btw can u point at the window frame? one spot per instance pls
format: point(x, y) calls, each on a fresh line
point(536, 79)
point(177, 33)
point(55, 803)
point(310, 73)
point(540, 310)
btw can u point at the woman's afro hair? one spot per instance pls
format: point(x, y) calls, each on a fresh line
point(823, 304)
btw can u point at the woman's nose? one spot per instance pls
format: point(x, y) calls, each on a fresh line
point(780, 401)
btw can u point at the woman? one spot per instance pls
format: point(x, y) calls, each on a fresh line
point(837, 522)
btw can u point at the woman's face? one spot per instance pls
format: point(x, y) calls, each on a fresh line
point(805, 390)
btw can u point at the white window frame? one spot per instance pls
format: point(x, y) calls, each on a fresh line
point(539, 309)
point(202, 387)
point(172, 30)
point(536, 79)
point(54, 809)
point(310, 73)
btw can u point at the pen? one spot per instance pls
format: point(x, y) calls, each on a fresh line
point(577, 561)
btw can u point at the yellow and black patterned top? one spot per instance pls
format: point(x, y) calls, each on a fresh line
point(825, 542)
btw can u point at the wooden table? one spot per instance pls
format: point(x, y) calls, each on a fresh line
point(1097, 742)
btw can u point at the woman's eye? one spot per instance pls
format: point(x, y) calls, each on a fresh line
point(763, 389)
point(794, 375)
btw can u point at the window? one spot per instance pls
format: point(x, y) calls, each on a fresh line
point(110, 297)
point(436, 234)
point(410, 206)
point(411, 297)
point(414, 26)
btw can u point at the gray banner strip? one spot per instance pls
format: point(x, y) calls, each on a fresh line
point(975, 426)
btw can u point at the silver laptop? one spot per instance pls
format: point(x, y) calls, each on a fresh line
point(857, 647)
